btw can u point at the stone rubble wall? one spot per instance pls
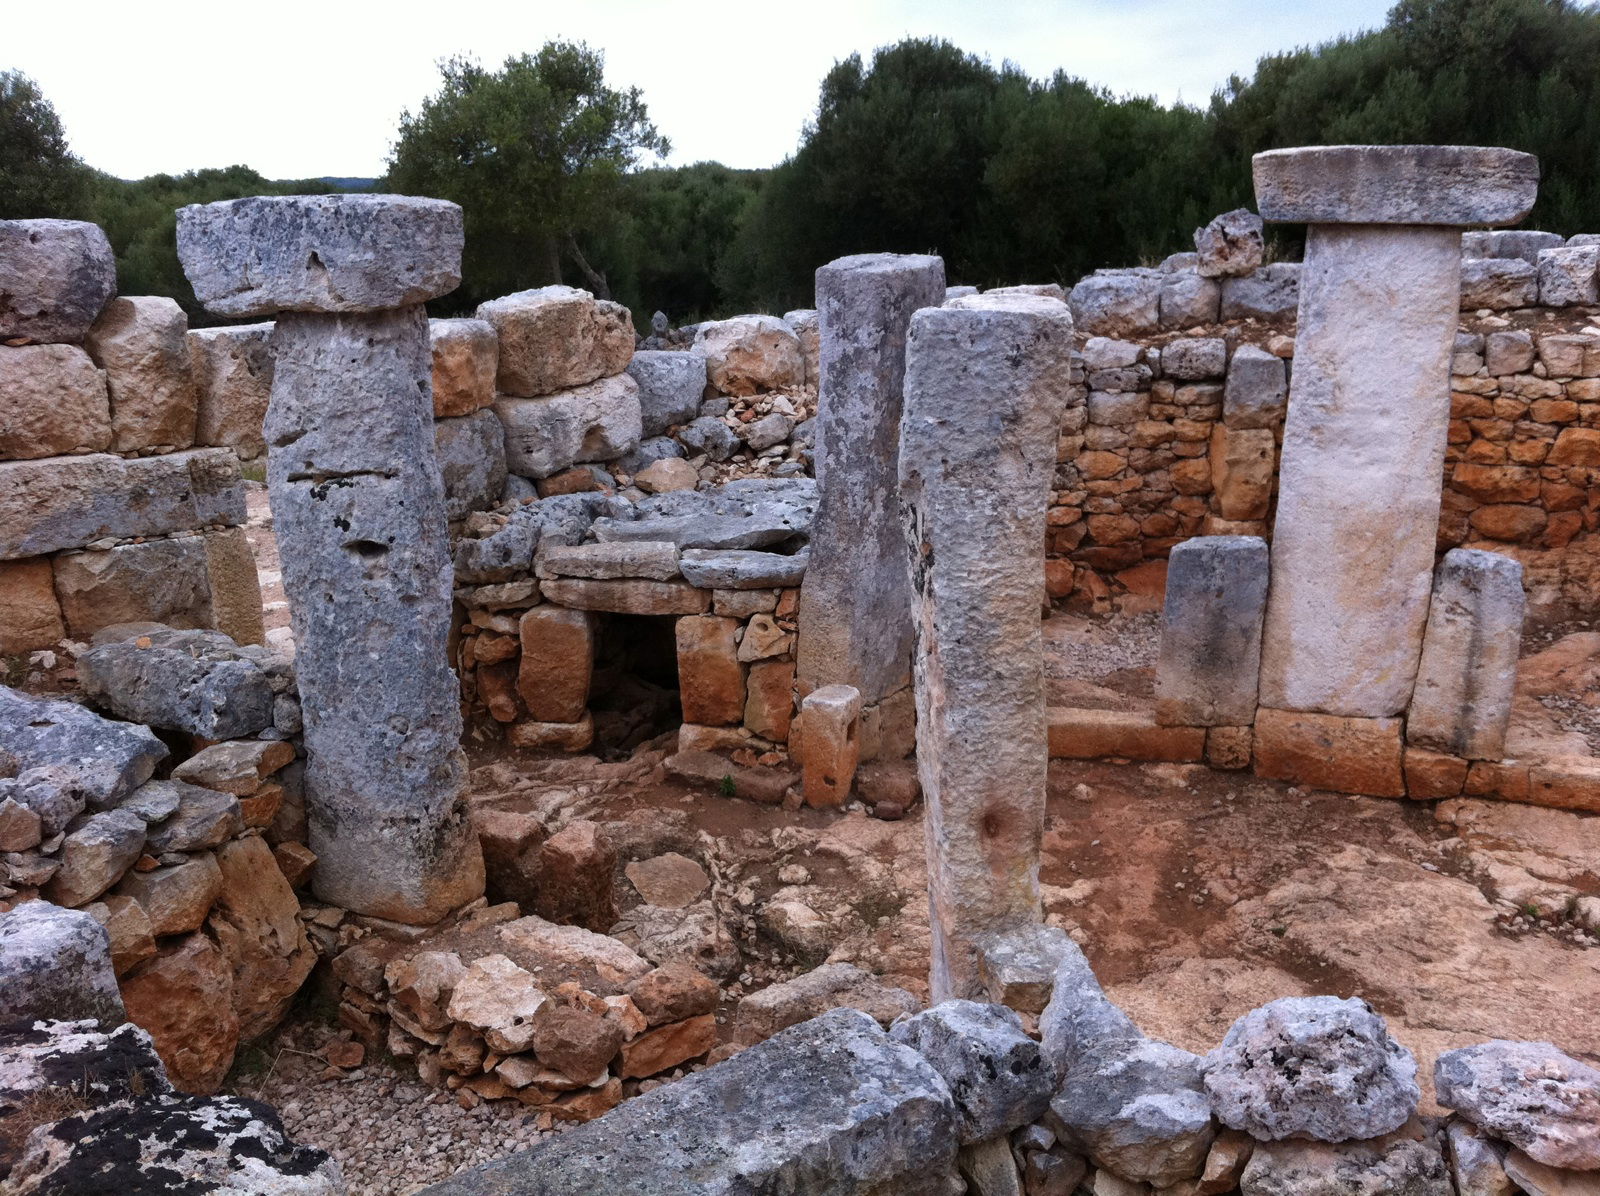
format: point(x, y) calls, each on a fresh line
point(120, 492)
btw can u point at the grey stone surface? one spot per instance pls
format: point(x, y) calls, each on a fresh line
point(54, 963)
point(599, 421)
point(1363, 450)
point(996, 1074)
point(763, 1013)
point(771, 429)
point(1312, 1067)
point(1449, 185)
point(854, 608)
point(1189, 359)
point(67, 502)
point(195, 681)
point(1210, 660)
point(1232, 245)
point(1530, 1094)
point(709, 435)
point(650, 450)
point(319, 253)
point(1019, 966)
point(1477, 1162)
point(1524, 243)
point(740, 569)
point(1407, 1163)
point(1134, 1105)
point(109, 759)
point(1538, 1179)
point(986, 387)
point(749, 513)
point(808, 330)
point(94, 855)
point(670, 387)
point(232, 368)
point(1256, 393)
point(828, 1106)
point(358, 508)
point(204, 818)
point(55, 275)
point(99, 1062)
point(1498, 284)
point(54, 793)
point(140, 344)
point(1188, 300)
point(1270, 293)
point(471, 452)
point(1569, 276)
point(1508, 352)
point(1468, 670)
point(989, 1169)
point(654, 559)
point(1119, 303)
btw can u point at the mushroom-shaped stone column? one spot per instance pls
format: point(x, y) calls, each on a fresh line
point(358, 508)
point(986, 386)
point(1369, 407)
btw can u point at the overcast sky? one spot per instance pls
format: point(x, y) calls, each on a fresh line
point(303, 88)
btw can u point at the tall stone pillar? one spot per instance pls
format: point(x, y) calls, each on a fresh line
point(1369, 407)
point(855, 606)
point(986, 388)
point(358, 508)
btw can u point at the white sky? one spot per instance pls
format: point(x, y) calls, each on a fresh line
point(302, 88)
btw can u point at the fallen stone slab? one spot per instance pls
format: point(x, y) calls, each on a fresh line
point(1452, 185)
point(55, 963)
point(996, 1074)
point(829, 1106)
point(1531, 1094)
point(196, 681)
point(56, 276)
point(832, 986)
point(735, 569)
point(109, 759)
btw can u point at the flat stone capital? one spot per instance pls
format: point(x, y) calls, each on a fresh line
point(1455, 185)
point(320, 253)
point(907, 266)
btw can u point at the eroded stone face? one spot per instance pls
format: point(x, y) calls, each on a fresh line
point(52, 402)
point(56, 963)
point(1530, 1094)
point(557, 338)
point(140, 343)
point(1449, 185)
point(55, 275)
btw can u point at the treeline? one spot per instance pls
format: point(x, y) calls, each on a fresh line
point(924, 148)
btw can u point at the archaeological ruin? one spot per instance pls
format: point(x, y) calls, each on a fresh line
point(1132, 739)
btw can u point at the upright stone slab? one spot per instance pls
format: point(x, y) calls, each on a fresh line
point(1211, 632)
point(986, 387)
point(1462, 702)
point(1358, 495)
point(855, 606)
point(358, 507)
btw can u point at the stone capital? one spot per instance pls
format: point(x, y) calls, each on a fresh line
point(1453, 185)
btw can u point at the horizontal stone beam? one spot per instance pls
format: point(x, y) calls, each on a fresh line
point(1455, 185)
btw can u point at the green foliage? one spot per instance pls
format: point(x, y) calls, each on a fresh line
point(39, 176)
point(534, 153)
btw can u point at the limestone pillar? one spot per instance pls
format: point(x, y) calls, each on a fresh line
point(1369, 407)
point(1211, 632)
point(358, 507)
point(855, 606)
point(986, 388)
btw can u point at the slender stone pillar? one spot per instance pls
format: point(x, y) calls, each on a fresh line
point(358, 507)
point(855, 606)
point(986, 389)
point(1211, 632)
point(1369, 408)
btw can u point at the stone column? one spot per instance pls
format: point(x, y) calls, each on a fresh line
point(1211, 632)
point(1369, 407)
point(986, 388)
point(358, 507)
point(855, 625)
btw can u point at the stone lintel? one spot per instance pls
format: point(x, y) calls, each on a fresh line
point(1455, 185)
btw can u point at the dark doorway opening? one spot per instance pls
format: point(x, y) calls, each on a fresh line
point(633, 696)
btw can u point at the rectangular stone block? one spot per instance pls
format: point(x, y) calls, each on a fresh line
point(235, 586)
point(1432, 775)
point(30, 616)
point(1566, 782)
point(628, 596)
point(769, 700)
point(53, 402)
point(557, 663)
point(556, 338)
point(232, 370)
point(466, 354)
point(1358, 488)
point(1448, 185)
point(828, 745)
point(655, 560)
point(599, 421)
point(1211, 632)
point(1468, 671)
point(1242, 462)
point(1499, 284)
point(1257, 390)
point(140, 344)
point(1569, 276)
point(1326, 751)
point(471, 454)
point(710, 677)
point(1079, 734)
point(159, 581)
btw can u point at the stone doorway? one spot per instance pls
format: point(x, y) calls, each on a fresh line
point(633, 695)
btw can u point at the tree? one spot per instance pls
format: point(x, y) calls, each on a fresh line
point(39, 176)
point(535, 153)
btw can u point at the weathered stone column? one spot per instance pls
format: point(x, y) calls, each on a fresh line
point(1211, 632)
point(1369, 407)
point(358, 507)
point(986, 389)
point(855, 625)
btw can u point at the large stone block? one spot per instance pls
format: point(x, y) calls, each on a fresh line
point(1363, 452)
point(52, 402)
point(235, 587)
point(710, 676)
point(1450, 185)
point(1498, 284)
point(831, 1105)
point(628, 596)
point(466, 357)
point(1568, 276)
point(751, 353)
point(183, 997)
point(159, 581)
point(30, 615)
point(195, 681)
point(1076, 733)
point(1270, 293)
point(995, 1072)
point(108, 760)
point(319, 253)
point(1231, 245)
point(1257, 390)
point(854, 609)
point(1468, 671)
point(1540, 1099)
point(46, 506)
point(1211, 632)
point(471, 451)
point(1118, 303)
point(140, 344)
point(256, 925)
point(56, 275)
point(556, 338)
point(1326, 751)
point(232, 370)
point(987, 383)
point(599, 421)
point(1241, 471)
point(807, 326)
point(557, 663)
point(1188, 300)
point(671, 386)
point(55, 963)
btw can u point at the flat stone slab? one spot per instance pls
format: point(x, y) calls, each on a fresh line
point(195, 681)
point(321, 253)
point(1395, 184)
point(111, 759)
point(733, 569)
